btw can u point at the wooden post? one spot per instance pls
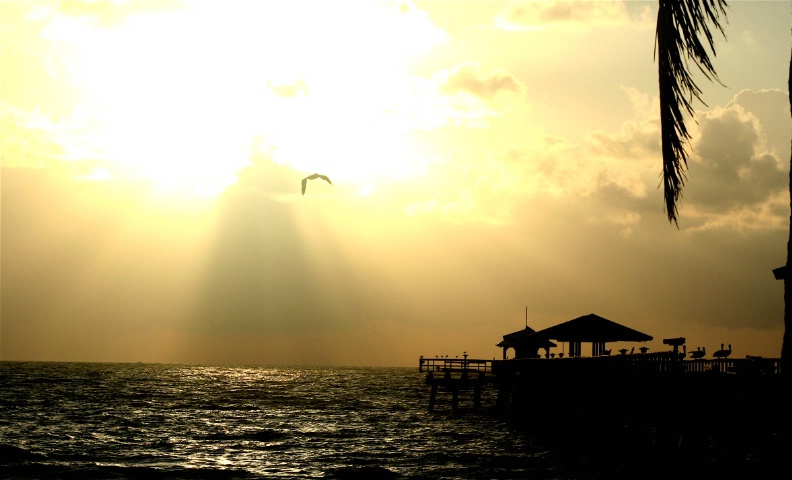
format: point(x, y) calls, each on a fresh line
point(455, 399)
point(432, 396)
point(503, 401)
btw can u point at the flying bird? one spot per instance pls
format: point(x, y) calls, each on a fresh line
point(313, 177)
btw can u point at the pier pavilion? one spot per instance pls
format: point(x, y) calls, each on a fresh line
point(524, 344)
point(589, 328)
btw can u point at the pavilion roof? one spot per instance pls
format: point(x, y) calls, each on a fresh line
point(516, 338)
point(592, 328)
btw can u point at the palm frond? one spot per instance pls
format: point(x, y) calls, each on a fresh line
point(681, 24)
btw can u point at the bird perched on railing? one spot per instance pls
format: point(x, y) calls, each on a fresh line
point(698, 353)
point(722, 353)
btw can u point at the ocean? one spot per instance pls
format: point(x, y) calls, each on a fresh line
point(159, 421)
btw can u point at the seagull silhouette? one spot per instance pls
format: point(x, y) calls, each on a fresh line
point(698, 353)
point(313, 177)
point(722, 353)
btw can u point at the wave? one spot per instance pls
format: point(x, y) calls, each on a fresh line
point(367, 472)
point(55, 471)
point(11, 454)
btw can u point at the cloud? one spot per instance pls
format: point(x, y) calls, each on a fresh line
point(771, 109)
point(468, 77)
point(264, 176)
point(737, 167)
point(38, 139)
point(109, 14)
point(525, 14)
point(289, 89)
point(736, 180)
point(539, 209)
point(467, 96)
point(634, 140)
point(732, 167)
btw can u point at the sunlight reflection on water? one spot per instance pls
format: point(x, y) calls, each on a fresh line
point(250, 422)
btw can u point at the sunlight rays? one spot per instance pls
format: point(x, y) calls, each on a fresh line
point(162, 100)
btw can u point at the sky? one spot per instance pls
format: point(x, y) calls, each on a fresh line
point(493, 163)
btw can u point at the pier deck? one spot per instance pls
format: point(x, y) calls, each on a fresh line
point(456, 375)
point(660, 401)
point(520, 383)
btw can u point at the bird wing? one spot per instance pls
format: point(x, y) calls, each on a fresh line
point(312, 177)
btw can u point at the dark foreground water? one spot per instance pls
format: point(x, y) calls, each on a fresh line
point(150, 421)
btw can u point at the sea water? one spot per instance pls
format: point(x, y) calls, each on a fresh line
point(155, 421)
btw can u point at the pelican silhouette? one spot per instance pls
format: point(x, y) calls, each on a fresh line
point(313, 177)
point(699, 352)
point(722, 353)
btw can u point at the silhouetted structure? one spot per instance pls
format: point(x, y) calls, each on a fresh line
point(456, 375)
point(628, 407)
point(524, 344)
point(589, 328)
point(779, 273)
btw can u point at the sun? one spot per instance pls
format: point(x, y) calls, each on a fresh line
point(177, 114)
point(178, 97)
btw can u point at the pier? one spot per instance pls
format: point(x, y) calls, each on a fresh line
point(657, 402)
point(456, 375)
point(604, 375)
point(644, 402)
point(647, 407)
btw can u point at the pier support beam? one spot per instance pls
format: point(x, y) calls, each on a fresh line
point(504, 400)
point(477, 398)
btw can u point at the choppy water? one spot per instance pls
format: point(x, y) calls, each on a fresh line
point(114, 421)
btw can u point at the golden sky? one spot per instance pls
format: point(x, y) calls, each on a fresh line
point(485, 156)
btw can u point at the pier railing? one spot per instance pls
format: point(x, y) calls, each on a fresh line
point(435, 364)
point(762, 366)
point(649, 364)
point(643, 363)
